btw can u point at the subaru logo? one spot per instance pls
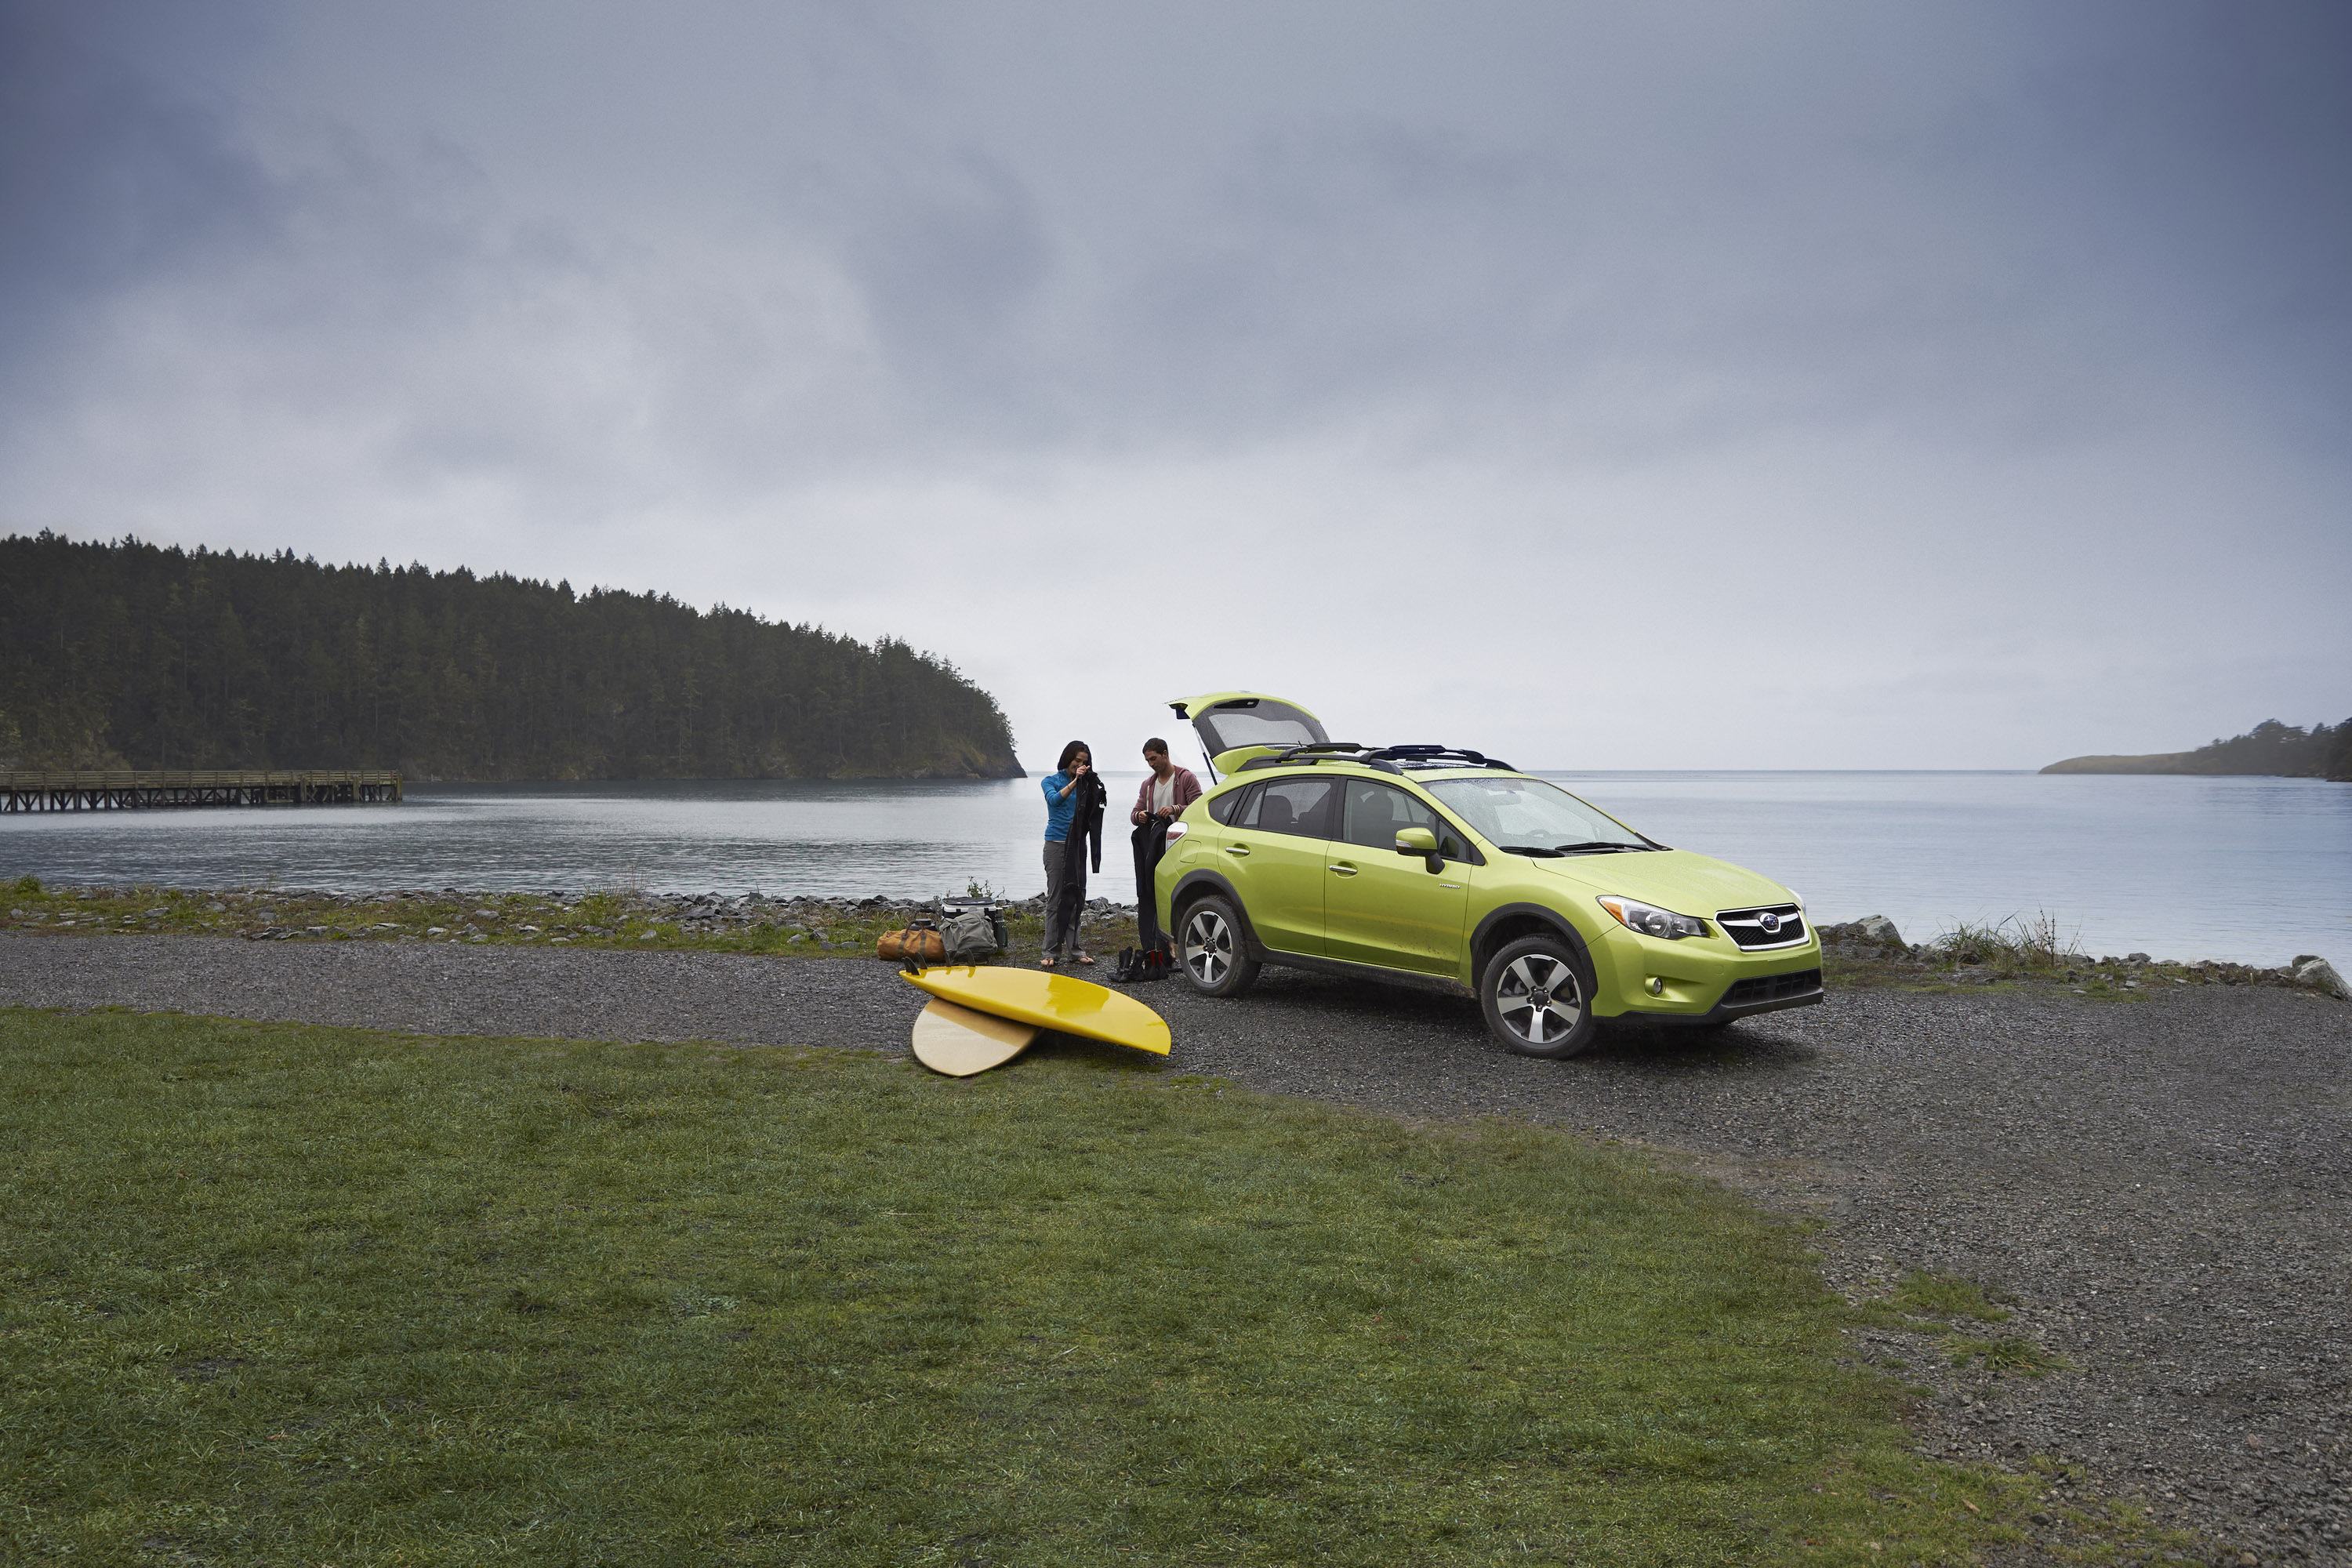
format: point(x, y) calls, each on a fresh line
point(1769, 921)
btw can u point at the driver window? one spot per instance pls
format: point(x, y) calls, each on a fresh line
point(1376, 812)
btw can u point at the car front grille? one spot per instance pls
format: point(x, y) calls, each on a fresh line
point(1773, 988)
point(1769, 925)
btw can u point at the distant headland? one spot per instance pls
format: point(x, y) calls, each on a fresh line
point(127, 656)
point(2270, 748)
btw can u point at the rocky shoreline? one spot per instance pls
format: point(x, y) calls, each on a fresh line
point(750, 922)
point(1981, 958)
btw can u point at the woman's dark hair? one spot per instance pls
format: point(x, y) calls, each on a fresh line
point(1156, 744)
point(1070, 754)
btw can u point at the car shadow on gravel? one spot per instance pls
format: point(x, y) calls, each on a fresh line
point(1667, 1050)
point(1454, 1024)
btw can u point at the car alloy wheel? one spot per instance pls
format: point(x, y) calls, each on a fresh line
point(1537, 999)
point(1215, 960)
point(1208, 947)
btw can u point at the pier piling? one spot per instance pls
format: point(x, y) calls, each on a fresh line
point(151, 789)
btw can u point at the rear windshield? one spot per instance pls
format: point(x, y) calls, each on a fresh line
point(1256, 722)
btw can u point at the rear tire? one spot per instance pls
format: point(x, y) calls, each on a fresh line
point(1211, 949)
point(1537, 993)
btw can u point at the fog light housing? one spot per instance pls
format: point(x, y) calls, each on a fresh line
point(1657, 987)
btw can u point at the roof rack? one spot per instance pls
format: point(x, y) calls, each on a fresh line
point(1437, 757)
point(1327, 751)
point(1382, 759)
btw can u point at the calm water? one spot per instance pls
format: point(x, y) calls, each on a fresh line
point(2245, 868)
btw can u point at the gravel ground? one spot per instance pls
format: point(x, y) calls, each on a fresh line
point(2163, 1186)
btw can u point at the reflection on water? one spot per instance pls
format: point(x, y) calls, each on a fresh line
point(903, 838)
point(2246, 869)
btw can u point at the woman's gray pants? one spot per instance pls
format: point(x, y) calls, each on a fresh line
point(1066, 894)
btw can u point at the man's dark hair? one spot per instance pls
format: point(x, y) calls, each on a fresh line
point(1070, 754)
point(1156, 744)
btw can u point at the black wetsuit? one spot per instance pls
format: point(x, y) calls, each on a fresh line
point(1151, 840)
point(1087, 804)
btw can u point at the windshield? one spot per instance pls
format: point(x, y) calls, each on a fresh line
point(1256, 722)
point(1528, 814)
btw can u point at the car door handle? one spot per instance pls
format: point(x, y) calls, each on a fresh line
point(1237, 849)
point(1343, 869)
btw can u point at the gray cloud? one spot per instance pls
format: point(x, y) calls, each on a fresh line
point(106, 178)
point(2008, 341)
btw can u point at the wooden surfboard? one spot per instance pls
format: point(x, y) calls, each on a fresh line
point(959, 1042)
point(1059, 1002)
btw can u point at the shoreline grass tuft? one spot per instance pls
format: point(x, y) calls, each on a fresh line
point(1929, 1293)
point(2032, 945)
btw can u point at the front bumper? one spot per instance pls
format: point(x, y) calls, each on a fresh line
point(1702, 981)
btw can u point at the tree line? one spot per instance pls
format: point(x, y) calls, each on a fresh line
point(2269, 747)
point(2322, 751)
point(128, 654)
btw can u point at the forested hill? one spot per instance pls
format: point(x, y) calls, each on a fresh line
point(127, 655)
point(2269, 747)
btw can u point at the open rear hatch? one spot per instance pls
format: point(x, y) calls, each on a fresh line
point(1235, 726)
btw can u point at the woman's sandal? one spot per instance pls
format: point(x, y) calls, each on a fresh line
point(1045, 963)
point(1086, 958)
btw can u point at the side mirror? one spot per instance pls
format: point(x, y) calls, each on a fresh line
point(1419, 841)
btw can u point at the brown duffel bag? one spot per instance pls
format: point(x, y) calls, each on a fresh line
point(918, 943)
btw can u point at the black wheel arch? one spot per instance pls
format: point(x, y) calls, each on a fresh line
point(1195, 885)
point(1510, 922)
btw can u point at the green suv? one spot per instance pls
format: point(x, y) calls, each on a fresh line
point(1423, 866)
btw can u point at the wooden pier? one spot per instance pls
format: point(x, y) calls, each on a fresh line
point(163, 789)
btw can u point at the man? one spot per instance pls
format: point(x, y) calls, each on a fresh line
point(1161, 801)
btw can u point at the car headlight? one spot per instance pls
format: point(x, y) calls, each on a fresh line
point(1651, 921)
point(1796, 895)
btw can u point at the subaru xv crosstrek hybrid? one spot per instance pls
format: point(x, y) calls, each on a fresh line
point(1424, 865)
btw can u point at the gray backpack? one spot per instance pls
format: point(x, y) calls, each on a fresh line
point(970, 934)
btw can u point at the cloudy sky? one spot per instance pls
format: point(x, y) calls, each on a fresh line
point(1640, 385)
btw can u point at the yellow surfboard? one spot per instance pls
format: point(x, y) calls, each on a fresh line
point(1060, 1002)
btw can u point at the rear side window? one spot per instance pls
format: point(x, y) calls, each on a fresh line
point(1300, 806)
point(1221, 809)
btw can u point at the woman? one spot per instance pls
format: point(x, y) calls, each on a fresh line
point(1074, 812)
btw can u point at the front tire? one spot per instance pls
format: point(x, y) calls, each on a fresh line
point(1537, 993)
point(1211, 950)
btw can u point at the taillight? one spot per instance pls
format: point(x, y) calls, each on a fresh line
point(1175, 831)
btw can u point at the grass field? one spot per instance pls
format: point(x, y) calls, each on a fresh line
point(283, 1294)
